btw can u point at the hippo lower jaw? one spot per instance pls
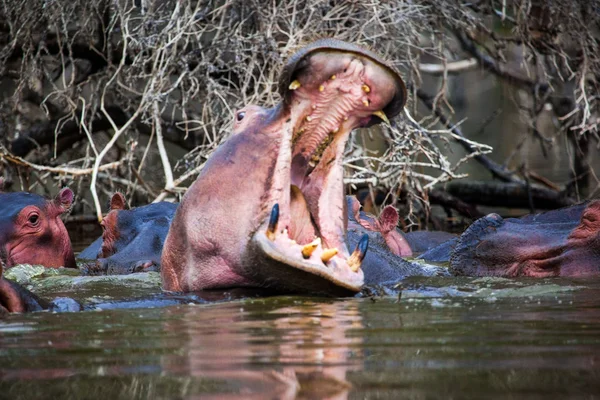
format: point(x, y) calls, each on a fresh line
point(332, 94)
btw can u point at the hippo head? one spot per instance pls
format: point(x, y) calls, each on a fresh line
point(563, 242)
point(132, 240)
point(32, 232)
point(268, 209)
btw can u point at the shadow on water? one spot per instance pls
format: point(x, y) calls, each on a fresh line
point(452, 339)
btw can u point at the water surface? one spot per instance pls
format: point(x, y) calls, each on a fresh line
point(468, 339)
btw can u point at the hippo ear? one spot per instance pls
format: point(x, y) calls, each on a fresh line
point(388, 219)
point(117, 202)
point(354, 207)
point(64, 198)
point(589, 226)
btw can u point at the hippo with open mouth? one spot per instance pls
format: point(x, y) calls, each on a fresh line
point(268, 209)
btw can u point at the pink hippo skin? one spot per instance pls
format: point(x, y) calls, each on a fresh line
point(268, 209)
point(563, 242)
point(31, 232)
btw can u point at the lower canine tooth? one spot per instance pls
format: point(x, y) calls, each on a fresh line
point(366, 88)
point(328, 254)
point(359, 253)
point(273, 220)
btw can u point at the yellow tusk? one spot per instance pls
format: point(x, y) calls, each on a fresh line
point(366, 102)
point(383, 117)
point(321, 88)
point(294, 85)
point(353, 264)
point(308, 249)
point(308, 118)
point(366, 88)
point(328, 254)
point(333, 77)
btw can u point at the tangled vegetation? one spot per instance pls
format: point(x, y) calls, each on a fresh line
point(96, 94)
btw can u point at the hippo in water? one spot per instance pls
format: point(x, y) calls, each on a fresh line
point(31, 232)
point(563, 242)
point(132, 240)
point(268, 208)
point(383, 263)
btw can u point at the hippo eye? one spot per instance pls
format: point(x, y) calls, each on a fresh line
point(33, 219)
point(241, 115)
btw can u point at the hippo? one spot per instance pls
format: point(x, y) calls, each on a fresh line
point(399, 243)
point(564, 242)
point(383, 264)
point(31, 232)
point(132, 240)
point(15, 298)
point(268, 208)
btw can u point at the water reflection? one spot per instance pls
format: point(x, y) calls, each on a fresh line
point(529, 342)
point(303, 349)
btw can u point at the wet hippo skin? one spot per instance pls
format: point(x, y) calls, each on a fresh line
point(31, 232)
point(563, 242)
point(132, 240)
point(267, 210)
point(383, 263)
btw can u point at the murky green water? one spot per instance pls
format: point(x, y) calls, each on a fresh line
point(445, 338)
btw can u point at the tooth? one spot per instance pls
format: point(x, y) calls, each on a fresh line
point(366, 88)
point(328, 254)
point(359, 253)
point(294, 85)
point(273, 219)
point(308, 118)
point(321, 88)
point(366, 102)
point(333, 77)
point(382, 116)
point(336, 130)
point(308, 249)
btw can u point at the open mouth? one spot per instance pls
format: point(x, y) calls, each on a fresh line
point(329, 89)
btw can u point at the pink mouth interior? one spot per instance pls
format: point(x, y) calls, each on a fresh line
point(335, 93)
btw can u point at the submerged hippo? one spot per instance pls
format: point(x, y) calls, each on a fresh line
point(383, 263)
point(132, 240)
point(563, 242)
point(268, 209)
point(399, 243)
point(31, 232)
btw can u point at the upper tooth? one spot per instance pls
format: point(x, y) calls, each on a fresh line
point(366, 88)
point(294, 85)
point(382, 115)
